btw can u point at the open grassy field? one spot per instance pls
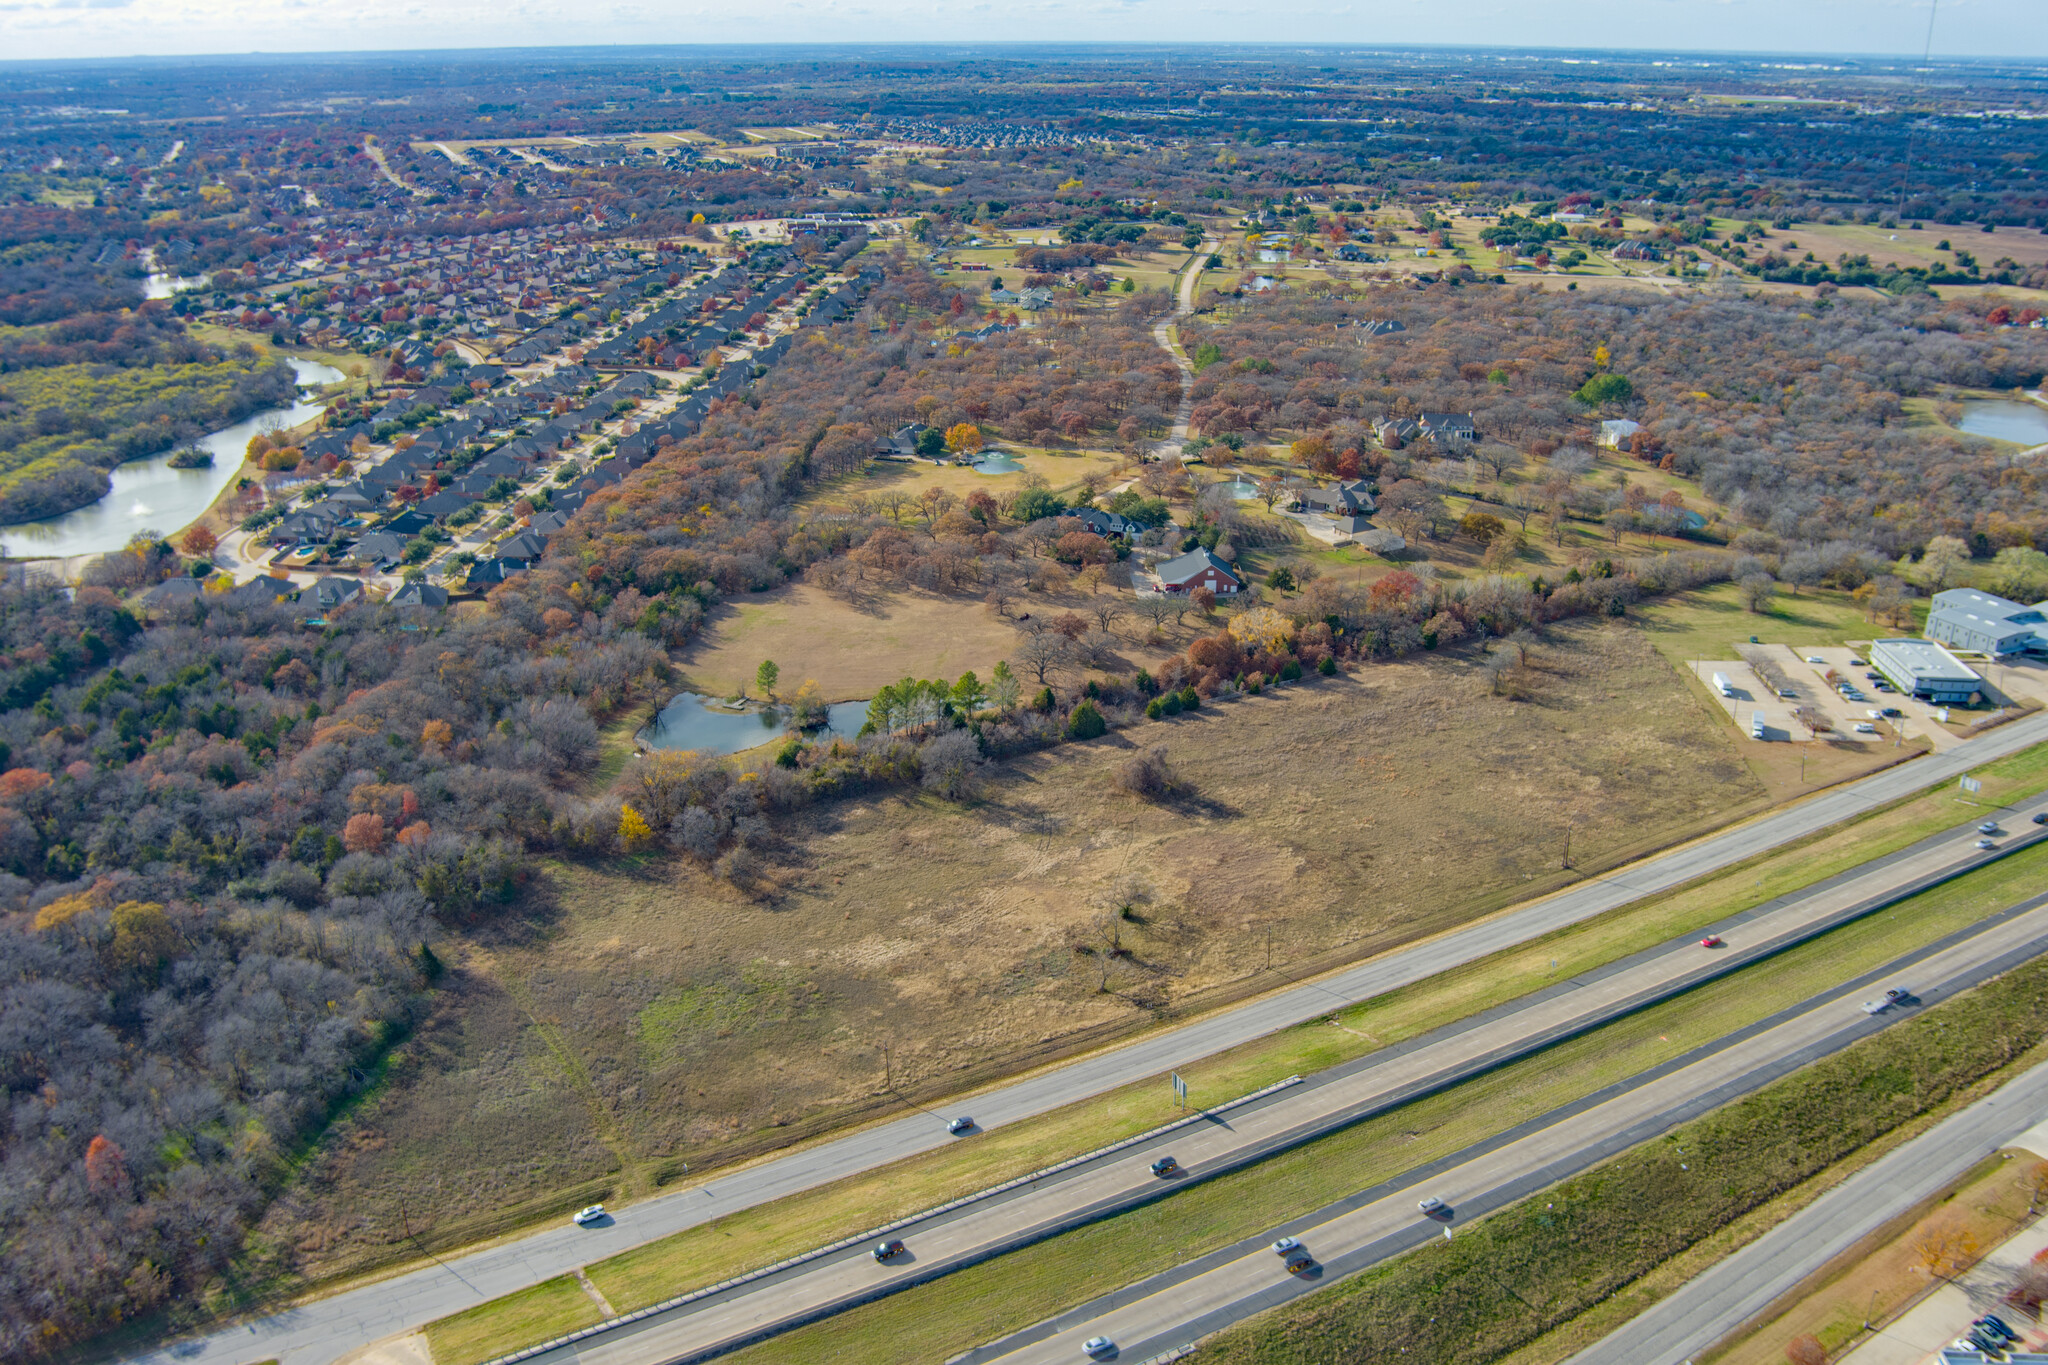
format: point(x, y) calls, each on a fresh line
point(771, 1231)
point(1709, 623)
point(645, 1015)
point(804, 1220)
point(848, 648)
point(1061, 469)
point(940, 1319)
point(1986, 1206)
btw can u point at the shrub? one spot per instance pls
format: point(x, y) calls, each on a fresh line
point(1086, 722)
point(1044, 701)
point(1148, 776)
point(1190, 700)
point(1291, 670)
point(951, 765)
point(1328, 667)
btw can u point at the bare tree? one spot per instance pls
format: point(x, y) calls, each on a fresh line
point(1042, 653)
point(1108, 611)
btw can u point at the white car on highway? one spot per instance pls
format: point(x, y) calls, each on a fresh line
point(584, 1217)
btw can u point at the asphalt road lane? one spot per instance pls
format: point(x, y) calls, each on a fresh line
point(320, 1330)
point(1371, 1084)
point(1720, 1300)
point(1182, 1306)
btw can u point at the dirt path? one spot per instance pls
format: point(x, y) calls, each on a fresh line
point(1162, 333)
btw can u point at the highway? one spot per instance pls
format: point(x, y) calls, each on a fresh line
point(323, 1329)
point(1183, 1305)
point(1722, 1299)
point(1372, 1084)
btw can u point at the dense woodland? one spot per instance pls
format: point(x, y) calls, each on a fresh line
point(1788, 413)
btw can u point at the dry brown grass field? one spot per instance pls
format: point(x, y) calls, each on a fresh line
point(849, 648)
point(640, 1015)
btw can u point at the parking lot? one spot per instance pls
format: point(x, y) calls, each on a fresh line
point(1759, 680)
point(1810, 680)
point(1747, 695)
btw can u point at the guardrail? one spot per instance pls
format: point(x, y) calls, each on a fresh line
point(873, 1234)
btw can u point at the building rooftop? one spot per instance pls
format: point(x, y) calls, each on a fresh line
point(1926, 659)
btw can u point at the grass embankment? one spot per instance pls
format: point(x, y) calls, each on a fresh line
point(983, 1302)
point(1512, 1277)
point(1973, 1217)
point(1020, 1289)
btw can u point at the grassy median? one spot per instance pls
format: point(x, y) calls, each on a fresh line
point(769, 1232)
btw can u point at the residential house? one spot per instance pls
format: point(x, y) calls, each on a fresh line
point(328, 594)
point(440, 506)
point(1197, 569)
point(378, 550)
point(1448, 426)
point(1108, 524)
point(1346, 499)
point(420, 595)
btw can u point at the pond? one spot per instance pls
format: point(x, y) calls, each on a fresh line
point(997, 463)
point(1240, 489)
point(2026, 423)
point(710, 725)
point(167, 286)
point(149, 494)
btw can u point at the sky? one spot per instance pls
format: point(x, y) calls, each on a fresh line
point(32, 29)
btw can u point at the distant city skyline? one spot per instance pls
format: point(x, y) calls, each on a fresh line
point(32, 29)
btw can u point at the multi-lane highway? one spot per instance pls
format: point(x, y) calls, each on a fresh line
point(1183, 1305)
point(962, 1235)
point(323, 1329)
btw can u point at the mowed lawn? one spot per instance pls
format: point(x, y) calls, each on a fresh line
point(848, 649)
point(643, 1014)
point(1710, 623)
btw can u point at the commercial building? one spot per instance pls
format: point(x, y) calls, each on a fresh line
point(1986, 623)
point(1923, 669)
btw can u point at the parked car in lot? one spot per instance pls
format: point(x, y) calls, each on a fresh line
point(584, 1217)
point(889, 1250)
point(1816, 659)
point(1165, 1166)
point(1891, 712)
point(1864, 727)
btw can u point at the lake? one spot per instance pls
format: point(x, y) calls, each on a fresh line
point(150, 495)
point(708, 725)
point(2026, 423)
